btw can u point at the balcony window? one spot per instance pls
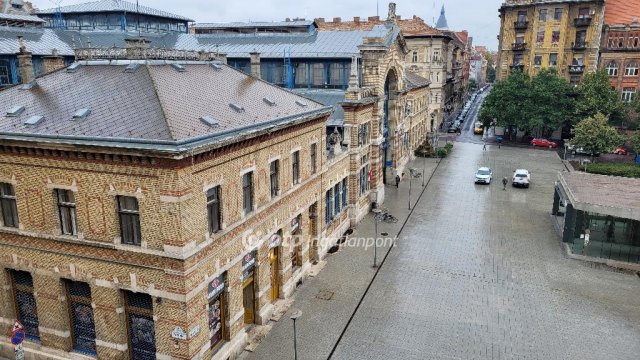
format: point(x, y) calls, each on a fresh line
point(522, 16)
point(583, 13)
point(631, 69)
point(628, 94)
point(612, 68)
point(555, 36)
point(519, 38)
point(542, 15)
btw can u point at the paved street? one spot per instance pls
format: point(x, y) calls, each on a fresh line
point(478, 273)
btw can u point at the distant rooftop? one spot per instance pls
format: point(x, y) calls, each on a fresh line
point(287, 26)
point(112, 6)
point(5, 18)
point(622, 12)
point(149, 105)
point(414, 26)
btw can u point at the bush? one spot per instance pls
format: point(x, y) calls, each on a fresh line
point(614, 169)
point(442, 152)
point(448, 147)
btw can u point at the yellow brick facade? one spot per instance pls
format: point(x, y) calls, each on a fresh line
point(530, 41)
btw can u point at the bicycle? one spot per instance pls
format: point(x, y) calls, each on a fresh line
point(386, 217)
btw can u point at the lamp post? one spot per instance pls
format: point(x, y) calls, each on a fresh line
point(410, 178)
point(377, 213)
point(294, 316)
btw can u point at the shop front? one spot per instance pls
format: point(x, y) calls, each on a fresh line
point(217, 311)
point(248, 287)
point(274, 264)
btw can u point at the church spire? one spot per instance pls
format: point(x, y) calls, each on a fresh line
point(442, 21)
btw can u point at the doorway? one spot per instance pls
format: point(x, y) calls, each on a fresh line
point(248, 301)
point(274, 259)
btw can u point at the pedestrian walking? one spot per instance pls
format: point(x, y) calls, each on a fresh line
point(504, 183)
point(484, 145)
point(397, 179)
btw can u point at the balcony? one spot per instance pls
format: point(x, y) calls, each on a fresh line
point(520, 24)
point(582, 21)
point(518, 67)
point(576, 69)
point(519, 46)
point(579, 46)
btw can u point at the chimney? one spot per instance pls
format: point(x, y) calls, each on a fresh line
point(255, 64)
point(398, 17)
point(356, 19)
point(337, 20)
point(287, 19)
point(52, 62)
point(136, 47)
point(374, 18)
point(320, 20)
point(24, 63)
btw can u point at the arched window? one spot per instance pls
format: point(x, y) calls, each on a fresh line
point(612, 68)
point(631, 69)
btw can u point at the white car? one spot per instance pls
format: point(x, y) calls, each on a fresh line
point(483, 175)
point(521, 177)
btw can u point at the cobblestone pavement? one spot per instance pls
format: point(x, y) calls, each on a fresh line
point(479, 274)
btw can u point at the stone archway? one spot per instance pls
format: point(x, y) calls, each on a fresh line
point(389, 125)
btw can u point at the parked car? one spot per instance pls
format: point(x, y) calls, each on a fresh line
point(451, 129)
point(483, 175)
point(543, 143)
point(620, 151)
point(521, 177)
point(478, 128)
point(580, 151)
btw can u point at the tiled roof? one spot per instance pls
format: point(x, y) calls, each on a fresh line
point(154, 104)
point(617, 12)
point(112, 6)
point(20, 17)
point(414, 81)
point(463, 36)
point(37, 41)
point(254, 24)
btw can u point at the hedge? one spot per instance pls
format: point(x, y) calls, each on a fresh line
point(613, 169)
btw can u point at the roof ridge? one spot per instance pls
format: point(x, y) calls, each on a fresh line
point(165, 118)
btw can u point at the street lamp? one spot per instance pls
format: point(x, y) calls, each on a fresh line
point(376, 217)
point(294, 316)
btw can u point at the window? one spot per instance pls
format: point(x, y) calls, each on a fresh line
point(436, 55)
point(364, 179)
point(339, 75)
point(274, 168)
point(520, 38)
point(537, 60)
point(557, 14)
point(129, 220)
point(581, 37)
point(517, 59)
point(631, 69)
point(540, 37)
point(67, 211)
point(83, 330)
point(301, 74)
point(295, 167)
point(344, 192)
point(8, 205)
point(25, 301)
point(139, 315)
point(628, 94)
point(296, 250)
point(214, 209)
point(414, 57)
point(583, 12)
point(336, 199)
point(328, 214)
point(553, 59)
point(522, 16)
point(364, 134)
point(314, 158)
point(247, 192)
point(318, 78)
point(612, 68)
point(555, 36)
point(543, 15)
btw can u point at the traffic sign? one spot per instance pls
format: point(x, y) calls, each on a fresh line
point(17, 336)
point(17, 325)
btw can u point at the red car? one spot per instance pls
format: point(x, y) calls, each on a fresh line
point(544, 143)
point(620, 151)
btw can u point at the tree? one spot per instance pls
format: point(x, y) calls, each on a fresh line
point(491, 66)
point(595, 135)
point(597, 96)
point(508, 103)
point(634, 140)
point(552, 103)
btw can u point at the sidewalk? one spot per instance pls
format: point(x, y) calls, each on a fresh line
point(328, 300)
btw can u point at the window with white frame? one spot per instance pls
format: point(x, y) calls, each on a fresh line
point(631, 69)
point(628, 94)
point(612, 68)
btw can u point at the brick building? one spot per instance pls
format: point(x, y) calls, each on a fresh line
point(620, 46)
point(563, 34)
point(155, 209)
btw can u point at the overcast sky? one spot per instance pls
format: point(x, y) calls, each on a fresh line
point(479, 17)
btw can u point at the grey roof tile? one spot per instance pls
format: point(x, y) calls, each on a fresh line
point(333, 98)
point(153, 103)
point(20, 17)
point(414, 81)
point(112, 6)
point(254, 24)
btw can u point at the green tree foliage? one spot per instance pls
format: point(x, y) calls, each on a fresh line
point(597, 96)
point(595, 135)
point(634, 140)
point(552, 103)
point(508, 102)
